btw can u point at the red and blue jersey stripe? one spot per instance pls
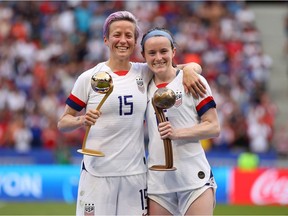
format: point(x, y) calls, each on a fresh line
point(75, 103)
point(205, 105)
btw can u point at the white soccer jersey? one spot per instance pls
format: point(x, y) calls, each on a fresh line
point(193, 169)
point(119, 132)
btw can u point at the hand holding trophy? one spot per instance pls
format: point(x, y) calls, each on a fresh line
point(101, 82)
point(164, 98)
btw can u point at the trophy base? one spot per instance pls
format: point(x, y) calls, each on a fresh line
point(91, 152)
point(162, 168)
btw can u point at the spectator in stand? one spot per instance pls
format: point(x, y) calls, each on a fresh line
point(50, 135)
point(22, 136)
point(83, 17)
point(244, 15)
point(281, 140)
point(5, 24)
point(16, 99)
point(286, 35)
point(260, 123)
point(4, 119)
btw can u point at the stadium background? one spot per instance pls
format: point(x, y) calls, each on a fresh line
point(242, 47)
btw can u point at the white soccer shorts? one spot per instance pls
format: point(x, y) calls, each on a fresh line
point(123, 195)
point(178, 203)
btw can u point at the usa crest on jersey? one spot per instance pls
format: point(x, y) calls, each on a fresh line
point(140, 84)
point(178, 98)
point(89, 209)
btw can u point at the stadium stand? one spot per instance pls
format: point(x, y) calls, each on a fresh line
point(46, 45)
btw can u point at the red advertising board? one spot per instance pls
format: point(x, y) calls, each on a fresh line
point(259, 187)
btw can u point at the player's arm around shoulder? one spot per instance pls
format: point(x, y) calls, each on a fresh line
point(191, 80)
point(144, 70)
point(192, 66)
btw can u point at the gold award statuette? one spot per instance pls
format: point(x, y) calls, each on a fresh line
point(164, 98)
point(102, 83)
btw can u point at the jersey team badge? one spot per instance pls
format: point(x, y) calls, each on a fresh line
point(178, 98)
point(89, 209)
point(140, 84)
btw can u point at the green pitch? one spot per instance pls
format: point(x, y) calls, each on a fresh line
point(69, 209)
point(40, 208)
point(250, 210)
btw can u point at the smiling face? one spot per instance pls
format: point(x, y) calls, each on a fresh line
point(159, 54)
point(121, 40)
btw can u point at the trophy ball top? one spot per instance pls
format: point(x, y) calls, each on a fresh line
point(164, 98)
point(101, 82)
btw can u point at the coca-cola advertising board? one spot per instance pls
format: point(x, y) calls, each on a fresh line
point(259, 187)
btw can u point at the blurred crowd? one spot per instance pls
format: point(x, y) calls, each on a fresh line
point(46, 45)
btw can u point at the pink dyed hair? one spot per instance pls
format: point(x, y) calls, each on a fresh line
point(117, 16)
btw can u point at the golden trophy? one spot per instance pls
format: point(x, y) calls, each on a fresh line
point(101, 82)
point(164, 98)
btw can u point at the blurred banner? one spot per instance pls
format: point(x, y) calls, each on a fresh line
point(39, 183)
point(259, 187)
point(60, 182)
point(222, 177)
